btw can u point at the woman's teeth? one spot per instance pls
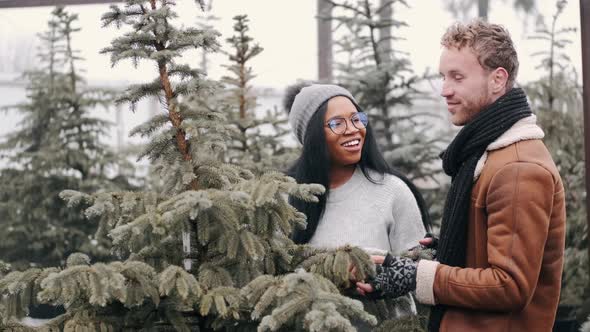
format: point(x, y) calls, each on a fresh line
point(351, 143)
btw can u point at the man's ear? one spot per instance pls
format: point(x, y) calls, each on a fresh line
point(499, 79)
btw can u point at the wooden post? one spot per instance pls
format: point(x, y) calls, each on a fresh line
point(324, 41)
point(483, 8)
point(585, 29)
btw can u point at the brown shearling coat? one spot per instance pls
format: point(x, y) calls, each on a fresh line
point(515, 246)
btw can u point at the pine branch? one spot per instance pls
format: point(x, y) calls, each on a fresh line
point(297, 296)
point(335, 265)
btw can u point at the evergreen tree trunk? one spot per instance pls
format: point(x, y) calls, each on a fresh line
point(242, 100)
point(378, 58)
point(52, 53)
point(190, 237)
point(251, 147)
point(384, 45)
point(76, 112)
point(175, 117)
point(243, 89)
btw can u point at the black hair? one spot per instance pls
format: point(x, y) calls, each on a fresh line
point(313, 166)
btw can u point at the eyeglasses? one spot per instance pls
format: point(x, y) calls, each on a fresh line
point(339, 125)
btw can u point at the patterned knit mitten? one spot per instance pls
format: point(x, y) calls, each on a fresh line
point(395, 277)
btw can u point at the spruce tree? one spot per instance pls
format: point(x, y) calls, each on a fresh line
point(205, 22)
point(56, 146)
point(381, 78)
point(557, 99)
point(211, 249)
point(257, 142)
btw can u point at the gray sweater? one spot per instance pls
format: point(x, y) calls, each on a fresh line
point(379, 218)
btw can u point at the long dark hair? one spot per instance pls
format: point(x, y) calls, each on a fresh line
point(313, 166)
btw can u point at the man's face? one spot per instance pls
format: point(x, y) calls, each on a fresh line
point(466, 84)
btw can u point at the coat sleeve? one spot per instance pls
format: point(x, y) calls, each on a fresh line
point(518, 205)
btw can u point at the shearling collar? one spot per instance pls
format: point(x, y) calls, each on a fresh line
point(524, 129)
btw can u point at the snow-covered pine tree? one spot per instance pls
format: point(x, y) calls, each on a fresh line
point(240, 270)
point(381, 78)
point(257, 143)
point(56, 146)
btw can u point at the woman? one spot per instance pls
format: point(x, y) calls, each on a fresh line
point(366, 204)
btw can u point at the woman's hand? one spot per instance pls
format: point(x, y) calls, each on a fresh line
point(376, 259)
point(396, 277)
point(364, 288)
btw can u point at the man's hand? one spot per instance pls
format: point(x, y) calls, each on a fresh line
point(427, 242)
point(426, 249)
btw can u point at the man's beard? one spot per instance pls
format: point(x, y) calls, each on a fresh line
point(475, 105)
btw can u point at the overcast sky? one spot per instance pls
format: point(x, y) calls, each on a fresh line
point(287, 31)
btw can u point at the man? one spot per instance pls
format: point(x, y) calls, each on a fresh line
point(500, 253)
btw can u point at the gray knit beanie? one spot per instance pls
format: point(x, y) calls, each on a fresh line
point(307, 102)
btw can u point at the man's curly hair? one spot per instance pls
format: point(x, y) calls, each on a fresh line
point(491, 44)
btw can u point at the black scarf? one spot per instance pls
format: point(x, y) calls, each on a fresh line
point(459, 161)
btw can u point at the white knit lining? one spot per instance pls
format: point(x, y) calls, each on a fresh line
point(425, 274)
point(522, 130)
